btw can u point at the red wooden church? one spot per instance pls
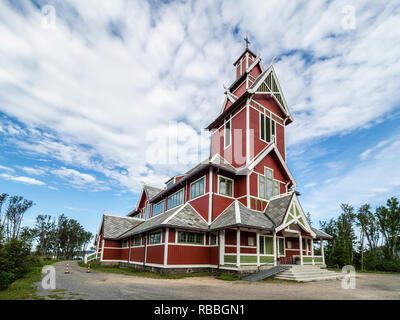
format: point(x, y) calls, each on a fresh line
point(237, 210)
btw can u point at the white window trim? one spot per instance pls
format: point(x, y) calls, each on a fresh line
point(230, 132)
point(189, 244)
point(155, 244)
point(284, 247)
point(204, 187)
point(233, 186)
point(183, 198)
point(163, 200)
point(266, 236)
point(273, 123)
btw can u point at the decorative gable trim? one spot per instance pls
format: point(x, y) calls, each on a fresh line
point(295, 214)
point(268, 83)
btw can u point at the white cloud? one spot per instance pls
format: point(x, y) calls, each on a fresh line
point(6, 168)
point(371, 182)
point(74, 176)
point(96, 97)
point(22, 179)
point(34, 171)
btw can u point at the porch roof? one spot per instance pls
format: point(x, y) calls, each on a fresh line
point(277, 208)
point(184, 216)
point(116, 225)
point(321, 234)
point(237, 214)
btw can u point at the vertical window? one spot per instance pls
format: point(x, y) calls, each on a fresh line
point(227, 135)
point(146, 211)
point(281, 246)
point(269, 245)
point(225, 186)
point(175, 200)
point(197, 188)
point(276, 188)
point(262, 245)
point(137, 241)
point(213, 239)
point(267, 186)
point(267, 129)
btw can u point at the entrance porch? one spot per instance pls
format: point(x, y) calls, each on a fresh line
point(249, 249)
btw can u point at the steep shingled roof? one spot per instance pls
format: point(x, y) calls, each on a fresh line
point(116, 225)
point(185, 217)
point(237, 214)
point(277, 208)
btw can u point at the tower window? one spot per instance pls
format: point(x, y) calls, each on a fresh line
point(228, 133)
point(267, 129)
point(267, 186)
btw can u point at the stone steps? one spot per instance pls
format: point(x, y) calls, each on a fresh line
point(307, 273)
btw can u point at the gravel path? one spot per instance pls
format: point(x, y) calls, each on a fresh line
point(108, 286)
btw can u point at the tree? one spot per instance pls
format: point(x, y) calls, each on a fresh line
point(45, 233)
point(11, 221)
point(309, 219)
point(389, 223)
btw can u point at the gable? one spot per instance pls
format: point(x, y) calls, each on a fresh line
point(142, 199)
point(295, 214)
point(267, 83)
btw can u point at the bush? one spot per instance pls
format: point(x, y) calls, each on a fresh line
point(15, 261)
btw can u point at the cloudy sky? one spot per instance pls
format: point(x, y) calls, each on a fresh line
point(91, 93)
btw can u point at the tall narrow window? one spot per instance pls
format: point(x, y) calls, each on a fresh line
point(225, 186)
point(197, 188)
point(276, 188)
point(146, 211)
point(227, 135)
point(267, 129)
point(269, 178)
point(267, 186)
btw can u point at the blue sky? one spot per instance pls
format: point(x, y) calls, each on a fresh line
point(84, 95)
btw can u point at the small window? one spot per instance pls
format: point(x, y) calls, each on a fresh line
point(213, 239)
point(125, 244)
point(155, 238)
point(250, 241)
point(137, 241)
point(289, 244)
point(197, 188)
point(227, 135)
point(225, 186)
point(190, 237)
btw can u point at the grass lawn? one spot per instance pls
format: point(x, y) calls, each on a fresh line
point(23, 288)
point(228, 276)
point(141, 273)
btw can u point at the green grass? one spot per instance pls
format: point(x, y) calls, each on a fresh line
point(366, 271)
point(141, 273)
point(227, 276)
point(23, 289)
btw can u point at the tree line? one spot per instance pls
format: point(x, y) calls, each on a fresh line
point(21, 248)
point(365, 238)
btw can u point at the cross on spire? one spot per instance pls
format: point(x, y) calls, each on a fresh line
point(247, 42)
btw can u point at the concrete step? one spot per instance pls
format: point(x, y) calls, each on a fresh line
point(305, 273)
point(311, 278)
point(314, 274)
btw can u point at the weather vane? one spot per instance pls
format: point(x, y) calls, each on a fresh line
point(247, 42)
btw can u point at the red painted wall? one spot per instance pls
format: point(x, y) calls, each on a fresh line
point(137, 254)
point(188, 255)
point(155, 254)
